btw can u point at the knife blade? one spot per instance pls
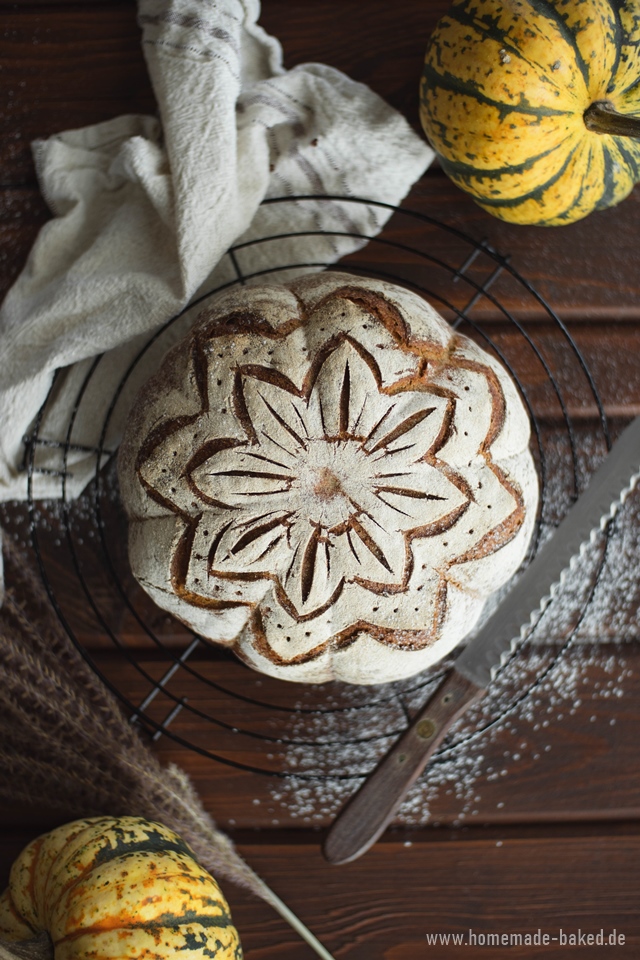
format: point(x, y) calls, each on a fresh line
point(370, 810)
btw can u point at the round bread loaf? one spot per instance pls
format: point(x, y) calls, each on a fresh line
point(326, 478)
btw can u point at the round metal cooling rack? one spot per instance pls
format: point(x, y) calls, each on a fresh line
point(202, 697)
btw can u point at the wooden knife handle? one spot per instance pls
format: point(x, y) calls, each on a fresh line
point(367, 813)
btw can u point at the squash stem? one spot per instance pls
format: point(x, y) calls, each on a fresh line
point(601, 117)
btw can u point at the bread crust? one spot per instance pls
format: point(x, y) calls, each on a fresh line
point(326, 478)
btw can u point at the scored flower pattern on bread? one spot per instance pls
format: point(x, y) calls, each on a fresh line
point(326, 478)
point(330, 486)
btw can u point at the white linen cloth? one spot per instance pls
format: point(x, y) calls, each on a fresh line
point(145, 210)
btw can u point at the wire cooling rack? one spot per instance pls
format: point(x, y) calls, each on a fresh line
point(202, 697)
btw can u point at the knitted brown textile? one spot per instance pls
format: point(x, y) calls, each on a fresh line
point(63, 737)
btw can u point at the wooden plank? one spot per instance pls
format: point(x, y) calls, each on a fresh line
point(386, 904)
point(565, 751)
point(553, 261)
point(382, 44)
point(68, 65)
point(36, 8)
point(585, 270)
point(22, 214)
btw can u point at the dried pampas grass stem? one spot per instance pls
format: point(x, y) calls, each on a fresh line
point(59, 724)
point(40, 948)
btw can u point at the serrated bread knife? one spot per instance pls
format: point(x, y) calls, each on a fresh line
point(366, 815)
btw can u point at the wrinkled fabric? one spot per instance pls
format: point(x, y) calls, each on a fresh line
point(145, 209)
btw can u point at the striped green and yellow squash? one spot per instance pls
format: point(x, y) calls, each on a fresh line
point(533, 106)
point(117, 889)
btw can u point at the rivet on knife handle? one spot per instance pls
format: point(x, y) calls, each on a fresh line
point(366, 815)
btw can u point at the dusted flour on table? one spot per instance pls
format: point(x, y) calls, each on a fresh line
point(327, 479)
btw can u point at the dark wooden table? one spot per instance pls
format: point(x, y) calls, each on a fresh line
point(532, 827)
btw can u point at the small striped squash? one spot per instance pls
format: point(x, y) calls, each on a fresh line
point(533, 106)
point(117, 889)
